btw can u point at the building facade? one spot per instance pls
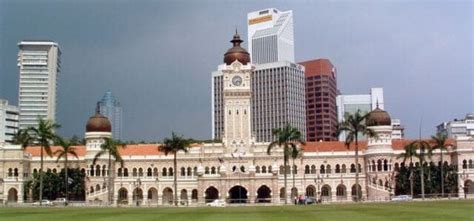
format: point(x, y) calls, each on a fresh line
point(271, 36)
point(321, 92)
point(458, 127)
point(238, 169)
point(349, 104)
point(39, 65)
point(8, 121)
point(110, 107)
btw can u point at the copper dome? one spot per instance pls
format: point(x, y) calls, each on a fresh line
point(378, 117)
point(236, 52)
point(98, 123)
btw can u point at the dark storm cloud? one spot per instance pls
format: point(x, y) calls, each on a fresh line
point(157, 56)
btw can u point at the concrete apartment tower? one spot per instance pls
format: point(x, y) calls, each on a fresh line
point(39, 65)
point(8, 121)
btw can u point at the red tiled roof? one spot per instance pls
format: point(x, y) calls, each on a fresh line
point(36, 151)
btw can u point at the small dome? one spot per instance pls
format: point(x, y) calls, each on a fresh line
point(236, 52)
point(378, 117)
point(98, 123)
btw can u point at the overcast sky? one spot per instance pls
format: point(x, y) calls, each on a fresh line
point(157, 56)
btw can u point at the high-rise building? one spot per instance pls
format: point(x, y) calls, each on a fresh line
point(110, 107)
point(321, 92)
point(270, 36)
point(458, 128)
point(278, 98)
point(363, 102)
point(39, 64)
point(398, 131)
point(8, 121)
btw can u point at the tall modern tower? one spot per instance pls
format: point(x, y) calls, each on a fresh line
point(110, 107)
point(321, 92)
point(39, 64)
point(8, 121)
point(270, 36)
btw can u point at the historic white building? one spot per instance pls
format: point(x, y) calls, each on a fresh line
point(239, 169)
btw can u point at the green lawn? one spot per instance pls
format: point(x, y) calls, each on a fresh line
point(456, 210)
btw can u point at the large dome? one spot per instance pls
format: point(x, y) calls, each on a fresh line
point(378, 117)
point(98, 123)
point(236, 52)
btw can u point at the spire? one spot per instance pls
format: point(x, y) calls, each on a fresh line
point(236, 40)
point(97, 108)
point(377, 104)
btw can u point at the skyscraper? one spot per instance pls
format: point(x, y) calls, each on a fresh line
point(39, 64)
point(8, 121)
point(350, 103)
point(270, 36)
point(321, 92)
point(110, 107)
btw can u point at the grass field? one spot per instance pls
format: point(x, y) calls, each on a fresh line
point(457, 210)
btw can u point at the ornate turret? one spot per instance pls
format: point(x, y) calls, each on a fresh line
point(98, 122)
point(236, 52)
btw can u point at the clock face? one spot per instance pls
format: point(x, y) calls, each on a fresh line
point(237, 80)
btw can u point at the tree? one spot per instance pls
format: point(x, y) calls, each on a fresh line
point(173, 145)
point(425, 151)
point(42, 135)
point(353, 125)
point(110, 147)
point(295, 153)
point(66, 149)
point(440, 143)
point(288, 137)
point(410, 152)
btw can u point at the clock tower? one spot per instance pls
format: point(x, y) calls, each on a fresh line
point(237, 95)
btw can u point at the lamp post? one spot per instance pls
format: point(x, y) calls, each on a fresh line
point(318, 180)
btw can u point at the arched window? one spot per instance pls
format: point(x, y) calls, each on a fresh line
point(313, 169)
point(343, 170)
point(264, 169)
point(269, 169)
point(55, 171)
point(92, 170)
point(155, 171)
point(397, 167)
point(164, 172)
point(125, 172)
point(10, 172)
point(183, 171)
point(353, 168)
point(322, 170)
point(190, 171)
point(170, 171)
point(119, 172)
point(213, 170)
point(149, 172)
point(242, 169)
point(374, 167)
point(97, 170)
point(206, 170)
point(195, 169)
point(295, 169)
point(470, 164)
point(257, 169)
point(338, 169)
point(140, 172)
point(15, 172)
point(464, 164)
point(379, 165)
point(385, 165)
point(134, 172)
point(282, 170)
point(104, 170)
point(328, 169)
point(306, 169)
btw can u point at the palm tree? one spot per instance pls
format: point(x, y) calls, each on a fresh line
point(353, 125)
point(42, 135)
point(173, 145)
point(112, 148)
point(410, 152)
point(66, 149)
point(425, 151)
point(440, 143)
point(287, 137)
point(295, 153)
